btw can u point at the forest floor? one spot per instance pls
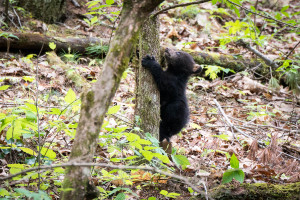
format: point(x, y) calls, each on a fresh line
point(259, 125)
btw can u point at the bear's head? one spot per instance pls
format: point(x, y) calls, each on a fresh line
point(179, 62)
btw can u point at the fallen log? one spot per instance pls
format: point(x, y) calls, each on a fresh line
point(254, 191)
point(33, 42)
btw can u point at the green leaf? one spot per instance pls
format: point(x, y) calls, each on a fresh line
point(15, 131)
point(113, 110)
point(163, 158)
point(18, 166)
point(284, 8)
point(31, 116)
point(47, 152)
point(23, 191)
point(28, 78)
point(4, 192)
point(120, 196)
point(237, 174)
point(109, 2)
point(4, 87)
point(222, 136)
point(164, 192)
point(70, 96)
point(31, 107)
point(190, 190)
point(152, 198)
point(29, 151)
point(143, 141)
point(54, 111)
point(94, 20)
point(52, 45)
point(147, 154)
point(181, 160)
point(132, 137)
point(234, 162)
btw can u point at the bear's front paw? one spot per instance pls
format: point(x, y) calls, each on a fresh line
point(148, 61)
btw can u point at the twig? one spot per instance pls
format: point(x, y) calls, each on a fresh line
point(73, 164)
point(179, 5)
point(271, 18)
point(17, 17)
point(241, 132)
point(37, 112)
point(292, 50)
point(265, 59)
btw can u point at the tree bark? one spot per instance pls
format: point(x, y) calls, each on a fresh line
point(147, 95)
point(33, 42)
point(49, 11)
point(96, 101)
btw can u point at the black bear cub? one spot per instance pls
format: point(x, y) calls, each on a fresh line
point(174, 111)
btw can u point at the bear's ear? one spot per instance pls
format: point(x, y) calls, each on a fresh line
point(197, 69)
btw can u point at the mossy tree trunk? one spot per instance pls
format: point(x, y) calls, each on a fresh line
point(96, 101)
point(49, 11)
point(147, 95)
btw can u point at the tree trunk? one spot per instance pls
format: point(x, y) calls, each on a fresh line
point(49, 11)
point(96, 101)
point(147, 95)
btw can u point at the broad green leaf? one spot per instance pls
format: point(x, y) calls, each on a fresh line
point(18, 166)
point(113, 110)
point(237, 174)
point(234, 162)
point(163, 158)
point(29, 151)
point(4, 192)
point(23, 191)
point(94, 20)
point(31, 107)
point(29, 56)
point(120, 196)
point(70, 96)
point(52, 45)
point(143, 141)
point(15, 131)
point(31, 116)
point(54, 111)
point(164, 192)
point(152, 198)
point(47, 152)
point(2, 115)
point(109, 2)
point(190, 190)
point(284, 8)
point(181, 160)
point(132, 137)
point(28, 78)
point(222, 136)
point(4, 87)
point(148, 155)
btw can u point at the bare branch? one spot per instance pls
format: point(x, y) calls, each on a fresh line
point(271, 18)
point(241, 132)
point(292, 50)
point(267, 60)
point(179, 5)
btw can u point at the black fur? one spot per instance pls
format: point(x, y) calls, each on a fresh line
point(171, 84)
